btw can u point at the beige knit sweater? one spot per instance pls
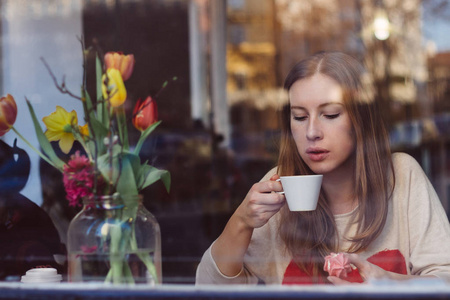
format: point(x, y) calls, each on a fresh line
point(416, 225)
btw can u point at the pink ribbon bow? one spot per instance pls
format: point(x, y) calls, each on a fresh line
point(337, 265)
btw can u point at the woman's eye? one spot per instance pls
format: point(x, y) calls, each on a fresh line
point(332, 116)
point(299, 118)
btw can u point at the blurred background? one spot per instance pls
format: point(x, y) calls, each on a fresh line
point(220, 128)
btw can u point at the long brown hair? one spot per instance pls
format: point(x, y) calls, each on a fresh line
point(310, 236)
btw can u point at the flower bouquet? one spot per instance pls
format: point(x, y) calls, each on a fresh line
point(108, 174)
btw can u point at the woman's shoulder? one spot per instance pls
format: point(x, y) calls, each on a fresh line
point(403, 162)
point(410, 178)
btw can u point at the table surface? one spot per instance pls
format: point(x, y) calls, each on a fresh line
point(414, 289)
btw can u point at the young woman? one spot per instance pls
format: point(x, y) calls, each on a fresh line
point(379, 208)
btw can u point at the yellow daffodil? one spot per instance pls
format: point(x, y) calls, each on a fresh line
point(84, 130)
point(59, 127)
point(113, 87)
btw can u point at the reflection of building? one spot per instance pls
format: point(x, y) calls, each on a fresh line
point(252, 92)
point(397, 64)
point(251, 46)
point(439, 96)
point(399, 69)
point(308, 26)
point(439, 82)
point(266, 38)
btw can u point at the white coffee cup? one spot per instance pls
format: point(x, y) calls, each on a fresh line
point(301, 191)
point(41, 275)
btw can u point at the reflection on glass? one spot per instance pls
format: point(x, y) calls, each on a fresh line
point(410, 72)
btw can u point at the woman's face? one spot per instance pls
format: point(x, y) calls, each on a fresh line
point(321, 126)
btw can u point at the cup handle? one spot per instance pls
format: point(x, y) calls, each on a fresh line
point(281, 193)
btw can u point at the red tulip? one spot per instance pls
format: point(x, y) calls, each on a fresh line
point(8, 113)
point(121, 62)
point(145, 114)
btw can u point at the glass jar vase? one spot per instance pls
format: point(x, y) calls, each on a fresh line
point(114, 239)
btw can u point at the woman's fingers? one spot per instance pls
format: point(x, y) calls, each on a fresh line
point(261, 203)
point(268, 186)
point(354, 259)
point(364, 267)
point(266, 198)
point(338, 281)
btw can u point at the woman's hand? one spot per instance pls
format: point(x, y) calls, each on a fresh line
point(370, 271)
point(261, 203)
point(366, 269)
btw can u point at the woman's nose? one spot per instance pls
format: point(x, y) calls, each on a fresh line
point(314, 131)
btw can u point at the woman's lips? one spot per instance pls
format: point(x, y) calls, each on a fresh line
point(317, 154)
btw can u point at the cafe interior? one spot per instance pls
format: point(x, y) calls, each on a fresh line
point(215, 69)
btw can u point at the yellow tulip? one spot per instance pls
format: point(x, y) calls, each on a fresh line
point(59, 127)
point(113, 87)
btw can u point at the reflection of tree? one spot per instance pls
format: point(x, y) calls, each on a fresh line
point(398, 64)
point(438, 11)
point(439, 82)
point(250, 48)
point(308, 26)
point(437, 8)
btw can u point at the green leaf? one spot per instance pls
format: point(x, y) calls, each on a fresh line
point(144, 136)
point(100, 132)
point(42, 155)
point(102, 110)
point(89, 112)
point(122, 125)
point(121, 170)
point(127, 183)
point(140, 175)
point(43, 141)
point(109, 169)
point(152, 174)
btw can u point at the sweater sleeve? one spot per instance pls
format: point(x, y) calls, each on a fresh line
point(209, 273)
point(265, 261)
point(429, 228)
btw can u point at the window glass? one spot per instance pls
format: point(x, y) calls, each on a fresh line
point(220, 125)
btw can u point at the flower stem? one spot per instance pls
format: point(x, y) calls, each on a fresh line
point(116, 254)
point(145, 258)
point(34, 149)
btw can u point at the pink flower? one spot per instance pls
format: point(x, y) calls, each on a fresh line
point(78, 178)
point(87, 249)
point(337, 265)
